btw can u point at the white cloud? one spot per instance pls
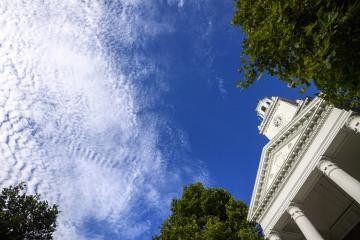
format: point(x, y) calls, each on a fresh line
point(69, 122)
point(179, 3)
point(222, 90)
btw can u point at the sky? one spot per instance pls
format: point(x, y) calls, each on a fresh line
point(108, 108)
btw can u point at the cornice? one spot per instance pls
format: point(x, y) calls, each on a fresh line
point(302, 105)
point(307, 124)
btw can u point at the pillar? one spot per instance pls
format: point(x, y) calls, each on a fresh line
point(353, 123)
point(306, 227)
point(274, 236)
point(346, 182)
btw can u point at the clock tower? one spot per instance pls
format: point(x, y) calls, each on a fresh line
point(276, 113)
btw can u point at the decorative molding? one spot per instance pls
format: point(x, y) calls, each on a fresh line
point(307, 123)
point(295, 211)
point(326, 165)
point(276, 150)
point(337, 121)
point(274, 235)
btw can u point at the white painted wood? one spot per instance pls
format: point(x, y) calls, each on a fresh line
point(349, 184)
point(274, 236)
point(303, 169)
point(276, 114)
point(271, 197)
point(306, 227)
point(353, 123)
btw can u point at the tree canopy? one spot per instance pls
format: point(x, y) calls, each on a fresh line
point(25, 216)
point(207, 214)
point(303, 41)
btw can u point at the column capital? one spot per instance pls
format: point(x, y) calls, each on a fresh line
point(328, 158)
point(326, 165)
point(274, 235)
point(295, 211)
point(306, 227)
point(344, 180)
point(353, 123)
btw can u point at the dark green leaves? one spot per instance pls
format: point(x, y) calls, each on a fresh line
point(25, 216)
point(303, 41)
point(207, 214)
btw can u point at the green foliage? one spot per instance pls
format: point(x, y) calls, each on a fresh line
point(302, 41)
point(207, 214)
point(25, 216)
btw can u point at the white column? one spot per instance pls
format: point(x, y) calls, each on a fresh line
point(353, 123)
point(349, 184)
point(274, 236)
point(306, 227)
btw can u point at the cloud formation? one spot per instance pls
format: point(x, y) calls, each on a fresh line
point(73, 118)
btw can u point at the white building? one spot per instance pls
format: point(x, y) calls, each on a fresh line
point(307, 184)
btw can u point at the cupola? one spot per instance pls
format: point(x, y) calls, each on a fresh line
point(276, 113)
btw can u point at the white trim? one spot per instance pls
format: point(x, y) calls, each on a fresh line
point(340, 122)
point(311, 116)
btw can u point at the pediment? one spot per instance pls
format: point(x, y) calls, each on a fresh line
point(278, 159)
point(282, 152)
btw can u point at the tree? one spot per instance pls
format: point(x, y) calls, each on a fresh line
point(25, 216)
point(303, 42)
point(207, 214)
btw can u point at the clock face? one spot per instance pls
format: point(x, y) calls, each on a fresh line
point(277, 121)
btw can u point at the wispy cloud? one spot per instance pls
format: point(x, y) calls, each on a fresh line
point(222, 90)
point(73, 122)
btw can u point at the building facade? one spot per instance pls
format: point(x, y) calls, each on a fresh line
point(307, 185)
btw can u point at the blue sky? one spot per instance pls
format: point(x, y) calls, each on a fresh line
point(109, 108)
point(199, 61)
